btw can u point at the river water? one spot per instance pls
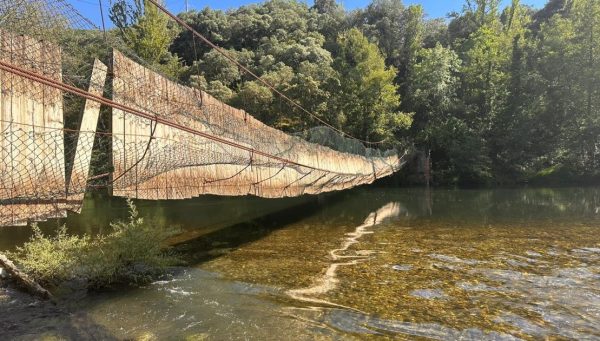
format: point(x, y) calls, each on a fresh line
point(500, 264)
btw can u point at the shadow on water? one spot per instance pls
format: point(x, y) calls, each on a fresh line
point(208, 214)
point(218, 242)
point(193, 217)
point(329, 208)
point(352, 206)
point(205, 223)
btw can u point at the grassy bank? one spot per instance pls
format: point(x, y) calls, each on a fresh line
point(132, 253)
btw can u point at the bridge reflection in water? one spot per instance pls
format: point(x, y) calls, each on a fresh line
point(342, 256)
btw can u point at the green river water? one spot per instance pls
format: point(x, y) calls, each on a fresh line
point(370, 263)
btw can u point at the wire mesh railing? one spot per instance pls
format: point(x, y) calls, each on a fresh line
point(69, 123)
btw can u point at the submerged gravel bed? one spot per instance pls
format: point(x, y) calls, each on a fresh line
point(24, 317)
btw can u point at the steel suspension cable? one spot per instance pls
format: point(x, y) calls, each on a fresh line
point(102, 100)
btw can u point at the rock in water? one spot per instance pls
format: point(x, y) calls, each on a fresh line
point(402, 267)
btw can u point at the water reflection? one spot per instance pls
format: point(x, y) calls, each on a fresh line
point(195, 217)
point(329, 279)
point(445, 264)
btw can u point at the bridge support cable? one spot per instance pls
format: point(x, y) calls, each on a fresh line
point(243, 68)
point(262, 162)
point(102, 100)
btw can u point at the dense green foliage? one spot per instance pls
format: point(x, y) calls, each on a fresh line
point(148, 32)
point(310, 54)
point(497, 95)
point(132, 252)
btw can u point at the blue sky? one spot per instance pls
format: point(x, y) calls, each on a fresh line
point(433, 8)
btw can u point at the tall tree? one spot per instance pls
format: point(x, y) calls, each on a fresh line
point(148, 33)
point(457, 150)
point(412, 43)
point(367, 95)
point(509, 148)
point(578, 39)
point(383, 22)
point(485, 11)
point(432, 92)
point(331, 20)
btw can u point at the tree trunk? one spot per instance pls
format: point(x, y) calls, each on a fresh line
point(23, 280)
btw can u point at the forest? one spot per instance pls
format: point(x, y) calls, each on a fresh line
point(496, 96)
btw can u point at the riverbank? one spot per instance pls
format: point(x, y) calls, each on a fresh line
point(25, 317)
point(413, 175)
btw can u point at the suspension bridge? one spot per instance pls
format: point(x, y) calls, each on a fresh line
point(162, 141)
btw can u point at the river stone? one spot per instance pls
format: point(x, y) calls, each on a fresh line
point(445, 267)
point(429, 293)
point(453, 259)
point(403, 267)
point(475, 286)
point(533, 253)
point(197, 337)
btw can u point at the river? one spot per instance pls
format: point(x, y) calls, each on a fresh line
point(502, 264)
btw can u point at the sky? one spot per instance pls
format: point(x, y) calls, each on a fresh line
point(433, 8)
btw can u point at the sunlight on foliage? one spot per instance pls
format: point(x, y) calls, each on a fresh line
point(132, 253)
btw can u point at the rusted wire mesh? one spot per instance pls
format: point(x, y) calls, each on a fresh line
point(158, 140)
point(168, 162)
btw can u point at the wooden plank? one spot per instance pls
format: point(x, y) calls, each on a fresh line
point(85, 141)
point(179, 164)
point(30, 169)
point(55, 175)
point(4, 125)
point(37, 118)
point(118, 124)
point(19, 150)
point(6, 182)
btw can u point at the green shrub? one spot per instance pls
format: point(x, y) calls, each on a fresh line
point(52, 259)
point(133, 252)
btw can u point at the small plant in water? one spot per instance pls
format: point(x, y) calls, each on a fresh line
point(133, 252)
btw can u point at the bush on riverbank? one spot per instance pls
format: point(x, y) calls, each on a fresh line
point(133, 252)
